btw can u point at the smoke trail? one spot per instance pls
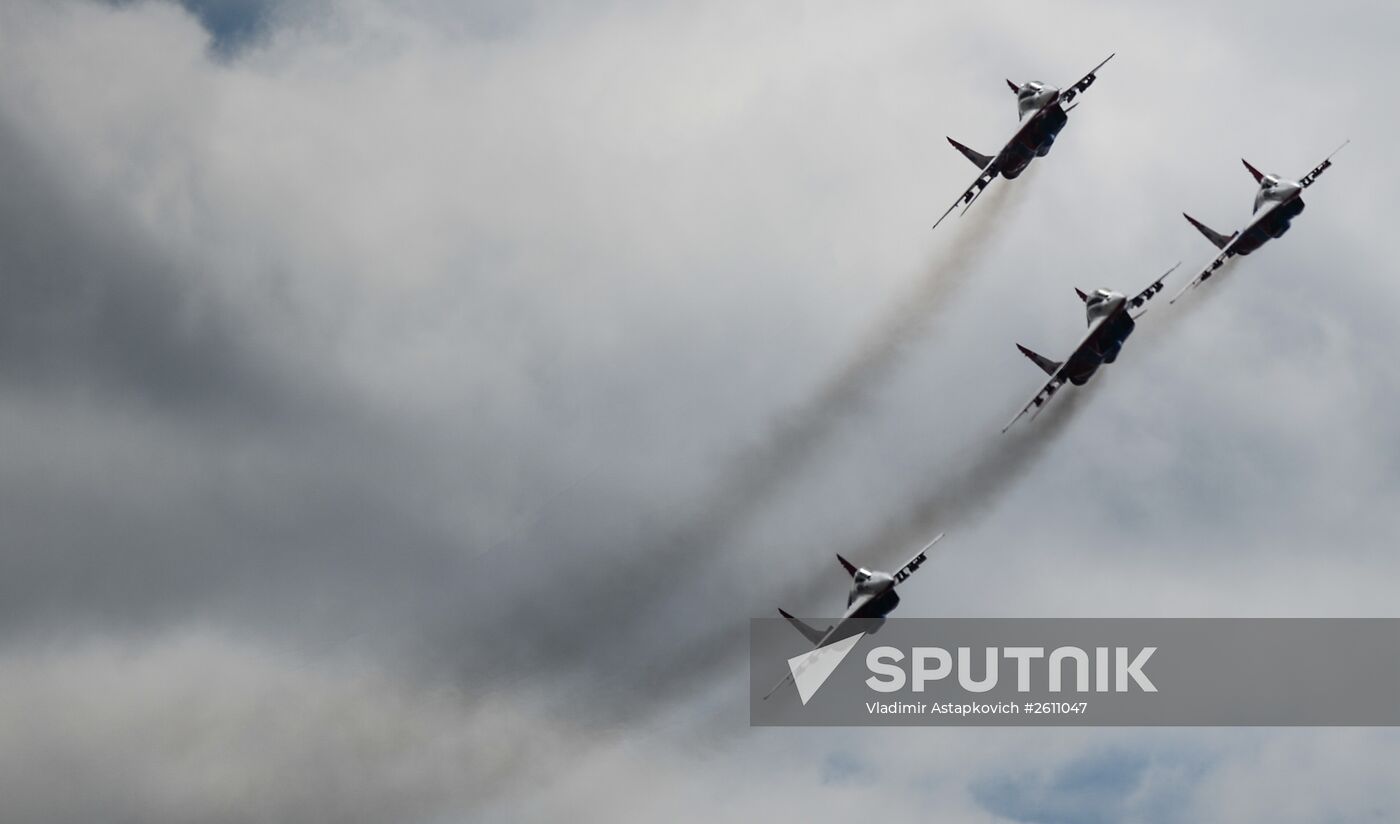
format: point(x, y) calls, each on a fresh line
point(960, 498)
point(975, 484)
point(759, 472)
point(978, 484)
point(960, 493)
point(763, 469)
point(627, 598)
point(972, 489)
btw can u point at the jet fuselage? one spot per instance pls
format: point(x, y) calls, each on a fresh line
point(1039, 135)
point(1285, 199)
point(885, 600)
point(1108, 316)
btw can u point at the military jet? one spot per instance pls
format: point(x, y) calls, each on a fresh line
point(1111, 321)
point(1276, 203)
point(872, 597)
point(1043, 111)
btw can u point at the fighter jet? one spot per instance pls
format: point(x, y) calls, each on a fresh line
point(1043, 111)
point(1276, 203)
point(1111, 321)
point(872, 597)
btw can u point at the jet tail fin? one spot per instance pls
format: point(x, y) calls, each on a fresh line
point(979, 160)
point(1049, 367)
point(847, 565)
point(1213, 236)
point(810, 633)
point(1082, 296)
point(1258, 175)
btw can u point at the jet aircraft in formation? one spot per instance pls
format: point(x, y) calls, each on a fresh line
point(1111, 321)
point(1276, 203)
point(1043, 111)
point(872, 597)
point(1112, 316)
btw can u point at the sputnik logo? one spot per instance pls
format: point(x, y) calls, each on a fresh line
point(811, 669)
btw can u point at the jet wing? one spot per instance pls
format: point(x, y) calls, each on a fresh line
point(1082, 85)
point(988, 173)
point(1226, 252)
point(1311, 177)
point(1150, 292)
point(984, 177)
point(832, 635)
point(1046, 393)
point(1056, 380)
point(914, 563)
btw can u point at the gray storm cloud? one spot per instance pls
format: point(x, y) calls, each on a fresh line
point(86, 299)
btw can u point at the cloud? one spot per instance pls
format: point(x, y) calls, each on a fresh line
point(413, 333)
point(197, 726)
point(232, 23)
point(89, 300)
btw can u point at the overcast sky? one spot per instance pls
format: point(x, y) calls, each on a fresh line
point(405, 405)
